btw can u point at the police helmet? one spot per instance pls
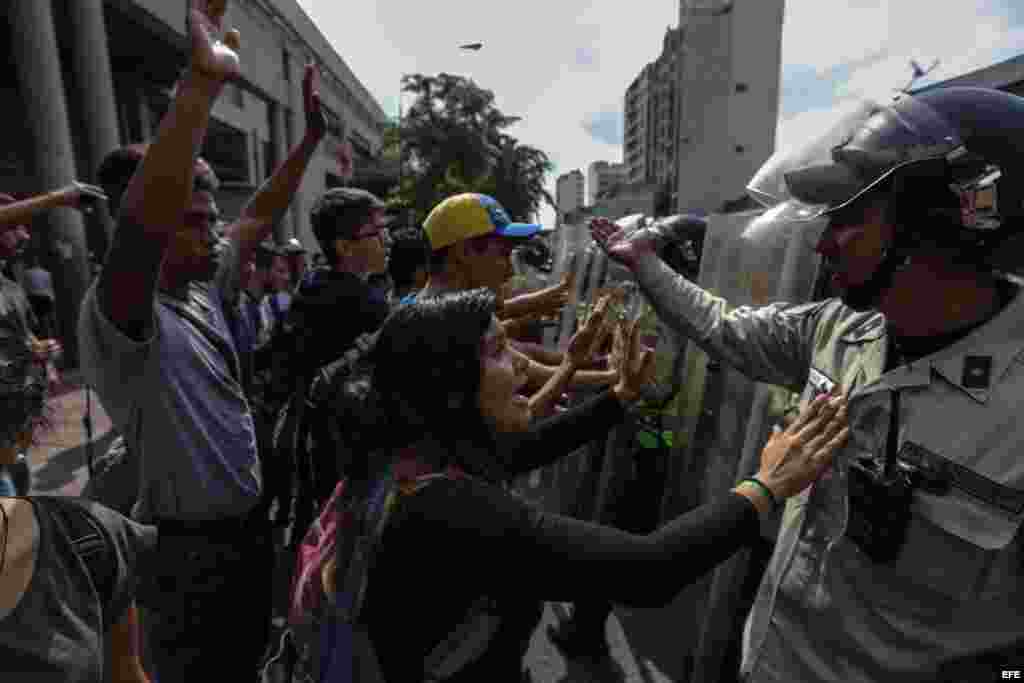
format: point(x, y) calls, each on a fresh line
point(954, 152)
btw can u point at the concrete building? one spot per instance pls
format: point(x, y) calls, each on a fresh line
point(602, 176)
point(634, 141)
point(628, 199)
point(568, 193)
point(90, 75)
point(650, 117)
point(728, 97)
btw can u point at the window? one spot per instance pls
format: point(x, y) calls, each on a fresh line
point(740, 149)
point(742, 87)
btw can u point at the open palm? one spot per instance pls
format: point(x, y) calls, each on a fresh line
point(212, 57)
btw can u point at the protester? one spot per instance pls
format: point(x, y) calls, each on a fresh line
point(155, 344)
point(445, 361)
point(335, 305)
point(55, 613)
point(472, 239)
point(277, 298)
point(904, 562)
point(17, 319)
point(38, 285)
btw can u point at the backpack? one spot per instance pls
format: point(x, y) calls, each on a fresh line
point(92, 543)
point(327, 640)
point(314, 429)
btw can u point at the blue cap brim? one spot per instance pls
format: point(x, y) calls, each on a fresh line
point(518, 230)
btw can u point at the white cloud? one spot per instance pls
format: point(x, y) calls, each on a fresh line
point(877, 40)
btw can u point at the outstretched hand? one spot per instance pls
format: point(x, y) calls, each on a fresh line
point(213, 58)
point(634, 363)
point(798, 455)
point(316, 120)
point(584, 344)
point(614, 241)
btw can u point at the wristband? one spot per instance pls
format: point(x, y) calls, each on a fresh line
point(768, 492)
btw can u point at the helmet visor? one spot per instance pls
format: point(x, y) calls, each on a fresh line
point(855, 155)
point(790, 220)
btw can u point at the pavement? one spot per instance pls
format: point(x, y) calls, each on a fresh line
point(644, 644)
point(59, 459)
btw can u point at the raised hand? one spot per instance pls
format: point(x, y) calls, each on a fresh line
point(584, 343)
point(634, 363)
point(213, 58)
point(614, 241)
point(316, 120)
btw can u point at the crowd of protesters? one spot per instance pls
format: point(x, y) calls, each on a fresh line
point(212, 350)
point(197, 331)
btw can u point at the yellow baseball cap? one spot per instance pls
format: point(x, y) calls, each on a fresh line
point(464, 216)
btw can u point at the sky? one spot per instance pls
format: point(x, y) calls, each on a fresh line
point(564, 65)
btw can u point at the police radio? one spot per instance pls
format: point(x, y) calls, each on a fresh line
point(880, 494)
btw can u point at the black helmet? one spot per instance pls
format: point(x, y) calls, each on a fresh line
point(959, 150)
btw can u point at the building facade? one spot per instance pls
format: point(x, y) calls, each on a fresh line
point(651, 120)
point(91, 75)
point(602, 177)
point(727, 99)
point(568, 193)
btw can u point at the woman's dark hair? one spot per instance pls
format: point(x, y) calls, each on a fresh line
point(426, 371)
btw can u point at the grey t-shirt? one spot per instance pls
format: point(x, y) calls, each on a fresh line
point(55, 633)
point(178, 400)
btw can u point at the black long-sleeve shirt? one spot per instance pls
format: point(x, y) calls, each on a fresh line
point(459, 539)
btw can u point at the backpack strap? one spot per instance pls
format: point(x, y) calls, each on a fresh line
point(92, 544)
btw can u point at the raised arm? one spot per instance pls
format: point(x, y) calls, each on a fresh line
point(768, 344)
point(75, 196)
point(651, 569)
point(156, 197)
point(272, 199)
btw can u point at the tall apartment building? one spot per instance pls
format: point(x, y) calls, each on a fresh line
point(728, 97)
point(650, 117)
point(602, 176)
point(569, 192)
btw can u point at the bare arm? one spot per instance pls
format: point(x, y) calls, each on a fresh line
point(548, 301)
point(161, 188)
point(76, 195)
point(126, 650)
point(270, 202)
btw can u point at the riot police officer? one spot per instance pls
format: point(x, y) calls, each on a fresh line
point(904, 562)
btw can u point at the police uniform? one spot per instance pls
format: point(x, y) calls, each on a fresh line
point(824, 610)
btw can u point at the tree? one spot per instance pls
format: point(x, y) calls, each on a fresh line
point(453, 140)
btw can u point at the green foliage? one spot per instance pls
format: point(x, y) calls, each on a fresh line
point(452, 140)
